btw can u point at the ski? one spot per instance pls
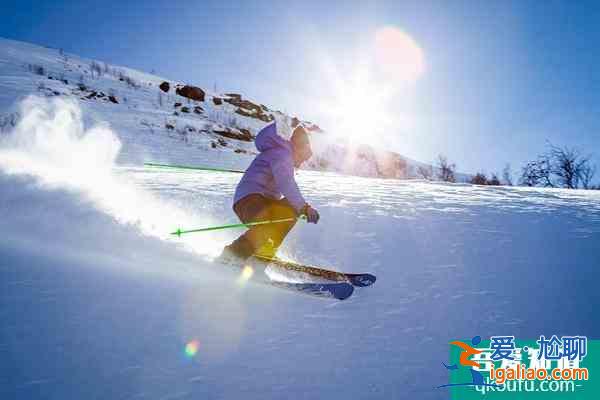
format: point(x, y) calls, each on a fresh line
point(359, 280)
point(335, 290)
point(340, 290)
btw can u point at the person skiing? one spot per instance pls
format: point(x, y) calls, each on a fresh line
point(268, 191)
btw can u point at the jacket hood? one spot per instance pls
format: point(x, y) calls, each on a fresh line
point(268, 139)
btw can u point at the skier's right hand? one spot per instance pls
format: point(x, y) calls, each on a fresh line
point(312, 215)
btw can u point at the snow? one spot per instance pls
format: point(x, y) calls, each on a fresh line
point(97, 300)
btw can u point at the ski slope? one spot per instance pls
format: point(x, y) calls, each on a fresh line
point(98, 301)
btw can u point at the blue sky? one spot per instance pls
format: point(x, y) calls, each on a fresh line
point(500, 77)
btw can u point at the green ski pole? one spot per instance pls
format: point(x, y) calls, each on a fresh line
point(174, 166)
point(180, 232)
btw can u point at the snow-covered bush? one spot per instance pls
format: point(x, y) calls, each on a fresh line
point(96, 68)
point(36, 69)
point(132, 83)
point(9, 121)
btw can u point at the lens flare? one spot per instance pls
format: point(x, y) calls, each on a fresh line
point(399, 55)
point(246, 274)
point(192, 348)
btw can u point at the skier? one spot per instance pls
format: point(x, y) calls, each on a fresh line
point(268, 191)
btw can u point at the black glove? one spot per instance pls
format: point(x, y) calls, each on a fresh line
point(312, 215)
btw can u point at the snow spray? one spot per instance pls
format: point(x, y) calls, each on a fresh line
point(52, 144)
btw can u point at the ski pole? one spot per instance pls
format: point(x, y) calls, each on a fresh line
point(175, 166)
point(180, 232)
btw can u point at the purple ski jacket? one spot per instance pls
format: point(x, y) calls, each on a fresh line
point(272, 171)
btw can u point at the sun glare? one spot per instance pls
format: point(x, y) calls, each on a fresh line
point(360, 109)
point(361, 106)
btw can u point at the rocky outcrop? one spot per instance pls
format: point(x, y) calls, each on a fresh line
point(198, 110)
point(242, 134)
point(265, 117)
point(165, 87)
point(190, 92)
point(247, 133)
point(217, 101)
point(244, 104)
point(246, 108)
point(244, 113)
point(253, 114)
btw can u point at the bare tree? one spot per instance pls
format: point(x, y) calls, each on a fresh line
point(545, 170)
point(445, 169)
point(587, 173)
point(529, 175)
point(559, 167)
point(507, 175)
point(425, 172)
point(570, 166)
point(537, 173)
point(494, 181)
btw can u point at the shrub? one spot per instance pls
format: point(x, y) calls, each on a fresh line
point(445, 169)
point(37, 69)
point(96, 68)
point(479, 179)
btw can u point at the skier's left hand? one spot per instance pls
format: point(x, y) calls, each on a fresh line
point(312, 215)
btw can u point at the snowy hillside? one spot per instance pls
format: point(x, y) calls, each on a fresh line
point(159, 120)
point(98, 301)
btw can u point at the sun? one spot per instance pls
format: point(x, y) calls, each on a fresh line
point(362, 102)
point(360, 109)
